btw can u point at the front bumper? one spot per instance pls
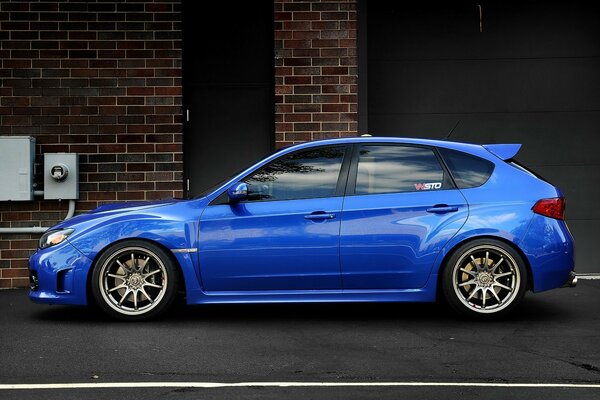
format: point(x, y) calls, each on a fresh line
point(58, 275)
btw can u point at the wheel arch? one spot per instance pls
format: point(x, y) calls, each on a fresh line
point(181, 288)
point(451, 252)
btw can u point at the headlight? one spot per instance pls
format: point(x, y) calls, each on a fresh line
point(52, 238)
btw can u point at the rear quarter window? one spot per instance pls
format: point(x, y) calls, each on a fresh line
point(467, 170)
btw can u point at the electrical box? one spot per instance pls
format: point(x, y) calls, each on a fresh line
point(17, 156)
point(61, 176)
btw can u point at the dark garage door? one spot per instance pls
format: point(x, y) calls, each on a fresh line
point(229, 94)
point(526, 72)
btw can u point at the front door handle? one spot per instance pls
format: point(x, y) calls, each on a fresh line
point(442, 209)
point(319, 215)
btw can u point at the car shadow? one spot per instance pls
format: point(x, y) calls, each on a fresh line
point(532, 309)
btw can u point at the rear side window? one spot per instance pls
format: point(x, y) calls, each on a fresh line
point(393, 169)
point(468, 171)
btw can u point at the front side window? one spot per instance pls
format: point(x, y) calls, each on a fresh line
point(305, 174)
point(392, 169)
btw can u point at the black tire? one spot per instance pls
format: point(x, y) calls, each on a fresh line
point(134, 280)
point(484, 279)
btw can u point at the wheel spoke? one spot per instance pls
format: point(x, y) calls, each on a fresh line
point(124, 266)
point(124, 296)
point(149, 274)
point(483, 296)
point(502, 286)
point(153, 285)
point(473, 274)
point(144, 263)
point(473, 293)
point(496, 296)
point(143, 291)
point(475, 263)
point(121, 286)
point(135, 293)
point(471, 282)
point(502, 274)
point(122, 277)
point(497, 264)
point(487, 258)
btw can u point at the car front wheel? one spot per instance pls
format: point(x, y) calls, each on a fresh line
point(134, 280)
point(484, 278)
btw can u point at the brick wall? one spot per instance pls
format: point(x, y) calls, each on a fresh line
point(315, 70)
point(102, 79)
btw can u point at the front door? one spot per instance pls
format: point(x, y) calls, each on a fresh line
point(285, 236)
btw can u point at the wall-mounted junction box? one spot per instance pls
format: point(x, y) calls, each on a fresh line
point(17, 156)
point(61, 176)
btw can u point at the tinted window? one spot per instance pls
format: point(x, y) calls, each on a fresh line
point(301, 175)
point(467, 170)
point(389, 169)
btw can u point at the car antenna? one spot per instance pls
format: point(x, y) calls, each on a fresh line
point(451, 130)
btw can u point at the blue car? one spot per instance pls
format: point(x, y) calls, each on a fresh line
point(342, 220)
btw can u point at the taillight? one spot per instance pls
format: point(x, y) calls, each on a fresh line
point(553, 208)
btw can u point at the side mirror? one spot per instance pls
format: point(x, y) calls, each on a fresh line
point(238, 192)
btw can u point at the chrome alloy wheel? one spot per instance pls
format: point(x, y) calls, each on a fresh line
point(486, 279)
point(133, 280)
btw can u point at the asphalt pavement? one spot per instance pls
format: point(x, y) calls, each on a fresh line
point(550, 345)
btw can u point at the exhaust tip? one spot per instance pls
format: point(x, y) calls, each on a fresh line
point(572, 281)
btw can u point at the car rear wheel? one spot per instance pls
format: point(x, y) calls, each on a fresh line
point(134, 280)
point(484, 278)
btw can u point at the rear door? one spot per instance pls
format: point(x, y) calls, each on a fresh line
point(401, 208)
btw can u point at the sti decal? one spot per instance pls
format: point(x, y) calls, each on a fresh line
point(428, 186)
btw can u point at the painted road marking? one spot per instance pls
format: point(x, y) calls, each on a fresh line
point(208, 385)
point(590, 277)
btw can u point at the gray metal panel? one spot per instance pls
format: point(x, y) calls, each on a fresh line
point(530, 76)
point(68, 188)
point(581, 187)
point(17, 154)
point(484, 86)
point(585, 233)
point(567, 138)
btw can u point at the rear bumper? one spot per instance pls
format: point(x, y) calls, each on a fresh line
point(549, 248)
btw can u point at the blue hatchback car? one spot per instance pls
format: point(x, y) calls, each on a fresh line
point(343, 220)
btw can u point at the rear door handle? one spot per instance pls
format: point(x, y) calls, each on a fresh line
point(319, 215)
point(442, 209)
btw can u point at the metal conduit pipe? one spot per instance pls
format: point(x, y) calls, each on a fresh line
point(39, 229)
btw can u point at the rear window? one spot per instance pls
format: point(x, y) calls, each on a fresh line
point(467, 170)
point(525, 169)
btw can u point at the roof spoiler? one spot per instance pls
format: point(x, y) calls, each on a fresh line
point(503, 151)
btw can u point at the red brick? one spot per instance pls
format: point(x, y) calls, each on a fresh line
point(297, 25)
point(298, 117)
point(5, 283)
point(327, 117)
point(6, 254)
point(20, 282)
point(14, 272)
